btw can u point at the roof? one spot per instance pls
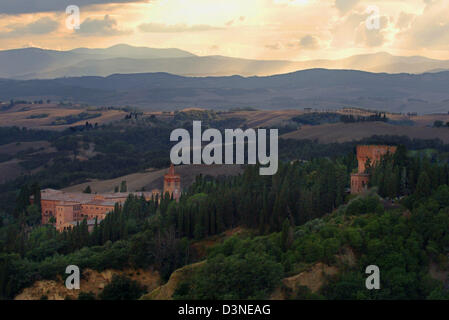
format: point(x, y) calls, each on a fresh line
point(67, 203)
point(104, 199)
point(101, 203)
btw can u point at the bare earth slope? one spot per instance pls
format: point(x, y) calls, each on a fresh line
point(92, 281)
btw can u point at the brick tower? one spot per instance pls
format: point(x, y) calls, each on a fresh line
point(360, 180)
point(172, 183)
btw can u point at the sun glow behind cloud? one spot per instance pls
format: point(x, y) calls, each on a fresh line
point(262, 29)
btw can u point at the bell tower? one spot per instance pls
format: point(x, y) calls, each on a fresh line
point(172, 183)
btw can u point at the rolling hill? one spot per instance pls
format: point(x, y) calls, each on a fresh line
point(315, 88)
point(35, 63)
point(344, 132)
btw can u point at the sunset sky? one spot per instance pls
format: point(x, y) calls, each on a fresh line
point(258, 29)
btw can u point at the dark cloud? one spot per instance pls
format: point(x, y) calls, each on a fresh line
point(41, 26)
point(31, 6)
point(103, 27)
point(174, 28)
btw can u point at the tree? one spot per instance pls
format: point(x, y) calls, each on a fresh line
point(87, 190)
point(122, 288)
point(258, 274)
point(423, 186)
point(123, 187)
point(438, 124)
point(33, 215)
point(286, 235)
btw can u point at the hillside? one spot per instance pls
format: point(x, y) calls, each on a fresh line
point(55, 116)
point(92, 281)
point(122, 58)
point(153, 179)
point(342, 132)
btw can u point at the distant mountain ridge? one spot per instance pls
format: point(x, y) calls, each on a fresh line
point(314, 88)
point(35, 63)
point(124, 50)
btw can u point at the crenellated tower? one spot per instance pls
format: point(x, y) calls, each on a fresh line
point(372, 154)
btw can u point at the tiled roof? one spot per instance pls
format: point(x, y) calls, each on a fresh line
point(101, 203)
point(106, 199)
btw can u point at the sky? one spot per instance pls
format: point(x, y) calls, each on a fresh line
point(253, 29)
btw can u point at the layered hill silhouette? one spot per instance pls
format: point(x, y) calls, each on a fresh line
point(35, 63)
point(315, 88)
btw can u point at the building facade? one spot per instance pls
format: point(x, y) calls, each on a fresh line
point(371, 154)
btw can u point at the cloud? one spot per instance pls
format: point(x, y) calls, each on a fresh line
point(344, 31)
point(231, 22)
point(41, 26)
point(352, 31)
point(309, 42)
point(345, 5)
point(29, 6)
point(290, 2)
point(104, 27)
point(429, 30)
point(275, 46)
point(404, 20)
point(174, 28)
point(372, 37)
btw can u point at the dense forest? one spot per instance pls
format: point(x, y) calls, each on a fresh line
point(298, 217)
point(295, 218)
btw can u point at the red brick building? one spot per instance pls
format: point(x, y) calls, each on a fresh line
point(66, 209)
point(373, 154)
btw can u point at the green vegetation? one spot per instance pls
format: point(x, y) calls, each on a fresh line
point(317, 118)
point(440, 124)
point(378, 116)
point(403, 248)
point(75, 118)
point(38, 116)
point(239, 276)
point(294, 219)
point(87, 190)
point(208, 118)
point(122, 288)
